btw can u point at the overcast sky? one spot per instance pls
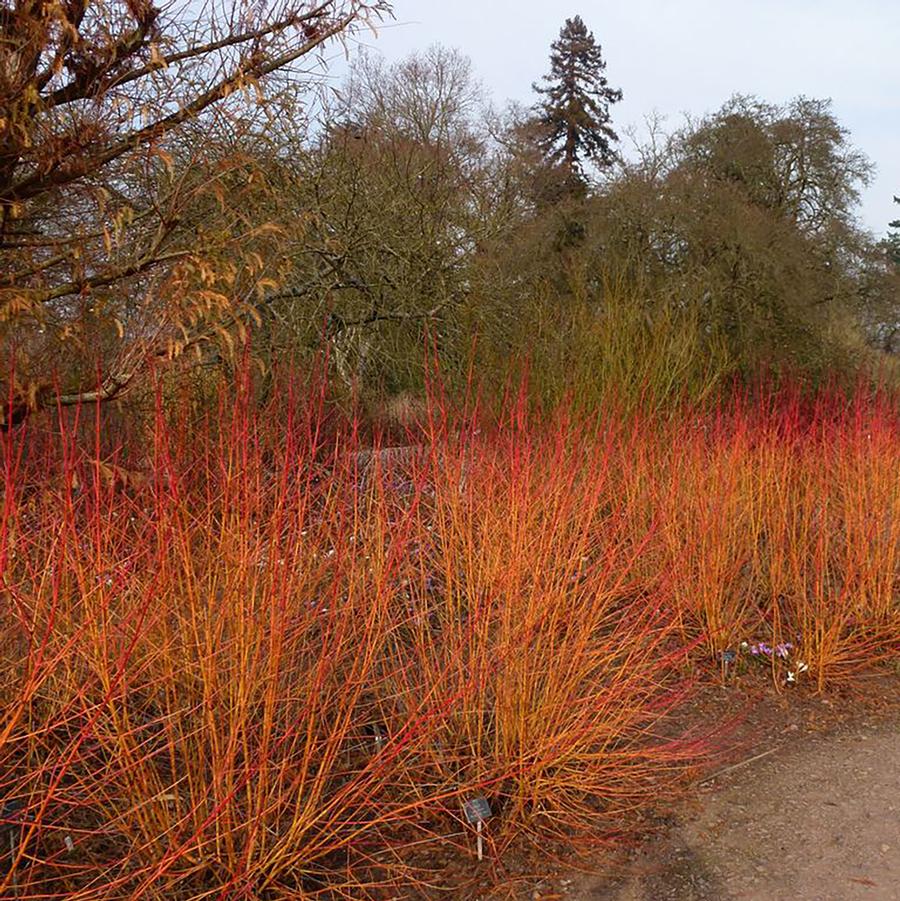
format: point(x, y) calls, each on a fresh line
point(690, 56)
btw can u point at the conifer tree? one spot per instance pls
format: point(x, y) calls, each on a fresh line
point(892, 242)
point(574, 111)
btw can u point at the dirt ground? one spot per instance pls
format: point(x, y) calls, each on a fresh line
point(817, 821)
point(809, 811)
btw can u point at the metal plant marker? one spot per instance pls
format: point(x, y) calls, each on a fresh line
point(476, 811)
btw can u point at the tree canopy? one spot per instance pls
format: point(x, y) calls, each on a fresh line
point(170, 181)
point(124, 181)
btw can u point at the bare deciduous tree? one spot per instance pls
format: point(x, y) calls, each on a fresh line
point(123, 213)
point(392, 200)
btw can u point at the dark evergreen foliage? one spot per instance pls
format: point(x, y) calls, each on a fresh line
point(574, 112)
point(893, 239)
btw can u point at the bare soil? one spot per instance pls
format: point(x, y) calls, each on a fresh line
point(805, 806)
point(817, 820)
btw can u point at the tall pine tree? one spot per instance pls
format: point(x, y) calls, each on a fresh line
point(574, 111)
point(892, 242)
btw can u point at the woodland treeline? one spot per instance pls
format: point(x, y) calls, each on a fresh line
point(180, 189)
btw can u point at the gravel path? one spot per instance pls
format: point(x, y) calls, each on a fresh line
point(819, 820)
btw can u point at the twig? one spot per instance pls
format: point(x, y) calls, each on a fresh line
point(737, 766)
point(12, 858)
